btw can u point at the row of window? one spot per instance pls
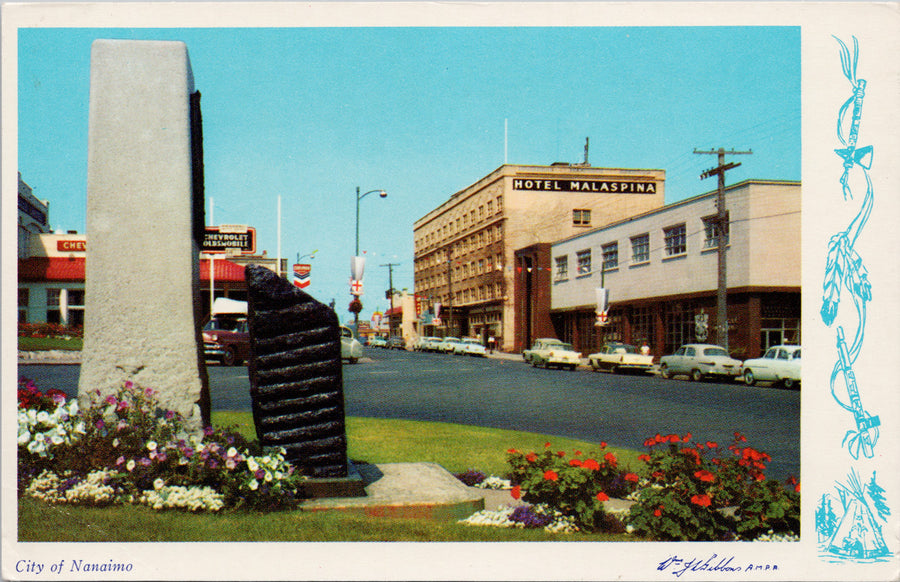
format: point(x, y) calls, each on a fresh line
point(476, 242)
point(448, 227)
point(461, 296)
point(674, 238)
point(463, 271)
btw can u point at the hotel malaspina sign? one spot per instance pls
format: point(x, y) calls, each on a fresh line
point(573, 185)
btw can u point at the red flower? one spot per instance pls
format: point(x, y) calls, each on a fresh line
point(673, 438)
point(575, 462)
point(531, 457)
point(602, 444)
point(632, 477)
point(797, 488)
point(516, 492)
point(712, 444)
point(591, 464)
point(657, 513)
point(560, 454)
point(577, 453)
point(686, 437)
point(705, 476)
point(551, 475)
point(602, 496)
point(645, 457)
point(701, 500)
point(512, 451)
point(611, 459)
point(546, 445)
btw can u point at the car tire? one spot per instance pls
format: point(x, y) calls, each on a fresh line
point(664, 372)
point(696, 375)
point(229, 357)
point(352, 360)
point(788, 383)
point(749, 378)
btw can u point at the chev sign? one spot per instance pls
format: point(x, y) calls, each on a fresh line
point(218, 239)
point(607, 186)
point(71, 246)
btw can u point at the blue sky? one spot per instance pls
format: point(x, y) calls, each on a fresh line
point(311, 114)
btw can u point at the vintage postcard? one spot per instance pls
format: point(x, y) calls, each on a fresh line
point(654, 204)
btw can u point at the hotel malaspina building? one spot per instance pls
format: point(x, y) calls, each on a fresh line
point(465, 248)
point(661, 271)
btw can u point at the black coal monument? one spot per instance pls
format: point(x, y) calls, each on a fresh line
point(296, 384)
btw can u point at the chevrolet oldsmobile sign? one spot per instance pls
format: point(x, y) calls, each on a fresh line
point(605, 186)
point(240, 238)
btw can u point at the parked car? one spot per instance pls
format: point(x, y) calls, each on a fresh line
point(469, 347)
point(615, 356)
point(549, 352)
point(226, 338)
point(377, 342)
point(447, 344)
point(699, 361)
point(396, 343)
point(351, 349)
point(432, 344)
point(778, 364)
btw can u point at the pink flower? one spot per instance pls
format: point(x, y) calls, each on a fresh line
point(120, 460)
point(111, 400)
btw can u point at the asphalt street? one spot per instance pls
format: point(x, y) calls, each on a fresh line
point(623, 410)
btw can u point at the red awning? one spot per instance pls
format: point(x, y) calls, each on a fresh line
point(225, 271)
point(52, 269)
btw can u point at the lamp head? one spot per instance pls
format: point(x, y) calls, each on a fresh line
point(382, 193)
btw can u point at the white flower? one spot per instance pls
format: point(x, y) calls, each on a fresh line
point(268, 477)
point(43, 416)
point(251, 464)
point(115, 442)
point(158, 484)
point(231, 452)
point(151, 445)
point(57, 440)
point(130, 465)
point(24, 437)
point(254, 484)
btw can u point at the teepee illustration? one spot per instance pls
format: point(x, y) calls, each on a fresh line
point(858, 534)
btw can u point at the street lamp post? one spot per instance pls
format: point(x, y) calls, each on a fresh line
point(359, 197)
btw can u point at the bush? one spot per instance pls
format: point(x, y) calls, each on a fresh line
point(125, 449)
point(576, 485)
point(701, 491)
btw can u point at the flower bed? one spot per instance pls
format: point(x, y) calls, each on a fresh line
point(55, 330)
point(685, 491)
point(125, 449)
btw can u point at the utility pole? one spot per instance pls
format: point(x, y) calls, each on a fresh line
point(721, 231)
point(449, 290)
point(390, 267)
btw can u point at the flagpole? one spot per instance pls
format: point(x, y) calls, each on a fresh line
point(212, 274)
point(278, 266)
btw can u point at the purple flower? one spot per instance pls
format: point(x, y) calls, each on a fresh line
point(144, 461)
point(111, 399)
point(170, 415)
point(187, 452)
point(213, 464)
point(260, 474)
point(208, 430)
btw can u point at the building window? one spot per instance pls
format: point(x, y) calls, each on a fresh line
point(562, 267)
point(642, 326)
point(581, 217)
point(23, 305)
point(640, 248)
point(490, 207)
point(778, 331)
point(610, 256)
point(676, 240)
point(711, 232)
point(584, 261)
point(53, 311)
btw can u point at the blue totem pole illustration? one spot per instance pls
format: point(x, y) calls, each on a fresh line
point(857, 533)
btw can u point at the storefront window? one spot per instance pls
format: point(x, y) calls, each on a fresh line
point(53, 312)
point(642, 326)
point(680, 325)
point(778, 331)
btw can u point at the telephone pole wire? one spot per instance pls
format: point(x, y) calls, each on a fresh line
point(721, 238)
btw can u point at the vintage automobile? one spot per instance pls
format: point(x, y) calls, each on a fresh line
point(377, 342)
point(351, 349)
point(549, 352)
point(779, 364)
point(698, 361)
point(468, 346)
point(615, 357)
point(447, 345)
point(396, 343)
point(226, 338)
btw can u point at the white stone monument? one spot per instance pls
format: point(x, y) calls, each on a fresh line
point(144, 219)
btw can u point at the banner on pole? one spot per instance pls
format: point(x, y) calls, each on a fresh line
point(356, 287)
point(602, 306)
point(301, 275)
point(357, 268)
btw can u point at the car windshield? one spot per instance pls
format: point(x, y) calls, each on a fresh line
point(715, 352)
point(471, 341)
point(560, 346)
point(624, 349)
point(797, 354)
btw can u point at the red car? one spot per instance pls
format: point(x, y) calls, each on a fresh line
point(227, 340)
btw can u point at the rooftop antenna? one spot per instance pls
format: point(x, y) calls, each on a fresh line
point(587, 145)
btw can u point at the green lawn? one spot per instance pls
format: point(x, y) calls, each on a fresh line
point(455, 447)
point(35, 344)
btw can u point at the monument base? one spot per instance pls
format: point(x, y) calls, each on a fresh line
point(353, 485)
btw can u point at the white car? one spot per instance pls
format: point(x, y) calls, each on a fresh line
point(549, 352)
point(469, 347)
point(351, 349)
point(698, 361)
point(778, 364)
point(447, 345)
point(377, 342)
point(616, 356)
